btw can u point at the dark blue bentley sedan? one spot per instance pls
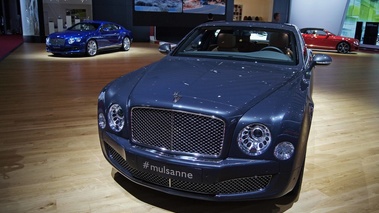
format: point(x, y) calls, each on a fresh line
point(89, 37)
point(224, 116)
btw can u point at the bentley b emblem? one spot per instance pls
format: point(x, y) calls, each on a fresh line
point(177, 97)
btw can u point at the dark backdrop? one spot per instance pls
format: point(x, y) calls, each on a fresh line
point(121, 12)
point(175, 25)
point(171, 26)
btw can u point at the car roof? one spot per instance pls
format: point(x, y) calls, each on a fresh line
point(274, 25)
point(96, 21)
point(311, 28)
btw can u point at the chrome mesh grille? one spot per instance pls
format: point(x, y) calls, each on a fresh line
point(233, 186)
point(177, 131)
point(57, 41)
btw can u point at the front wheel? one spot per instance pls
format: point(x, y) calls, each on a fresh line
point(125, 44)
point(343, 47)
point(91, 49)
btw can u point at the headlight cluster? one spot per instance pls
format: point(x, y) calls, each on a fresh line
point(255, 139)
point(116, 118)
point(74, 39)
point(47, 40)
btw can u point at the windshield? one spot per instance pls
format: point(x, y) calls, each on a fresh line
point(84, 27)
point(240, 43)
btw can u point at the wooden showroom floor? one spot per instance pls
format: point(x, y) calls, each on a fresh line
point(50, 158)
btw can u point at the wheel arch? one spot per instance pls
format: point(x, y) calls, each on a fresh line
point(342, 43)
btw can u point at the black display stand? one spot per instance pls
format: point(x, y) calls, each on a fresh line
point(371, 33)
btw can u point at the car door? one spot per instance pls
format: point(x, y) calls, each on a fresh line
point(323, 40)
point(309, 38)
point(109, 35)
point(314, 38)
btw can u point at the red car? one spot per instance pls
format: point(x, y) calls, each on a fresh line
point(318, 38)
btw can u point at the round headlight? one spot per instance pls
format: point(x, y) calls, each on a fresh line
point(254, 139)
point(71, 40)
point(101, 120)
point(116, 118)
point(284, 150)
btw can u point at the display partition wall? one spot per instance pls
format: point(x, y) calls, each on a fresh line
point(42, 17)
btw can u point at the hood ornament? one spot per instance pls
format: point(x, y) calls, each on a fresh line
point(177, 97)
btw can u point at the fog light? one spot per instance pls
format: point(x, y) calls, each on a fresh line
point(284, 150)
point(102, 121)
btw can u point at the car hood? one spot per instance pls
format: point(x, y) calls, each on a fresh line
point(212, 86)
point(70, 33)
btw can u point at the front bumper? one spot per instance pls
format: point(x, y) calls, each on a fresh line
point(228, 179)
point(66, 50)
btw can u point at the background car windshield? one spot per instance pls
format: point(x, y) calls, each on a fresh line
point(84, 27)
point(240, 43)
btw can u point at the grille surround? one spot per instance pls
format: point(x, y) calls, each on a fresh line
point(232, 186)
point(177, 132)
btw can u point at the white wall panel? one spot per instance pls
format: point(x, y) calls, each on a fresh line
point(328, 14)
point(260, 8)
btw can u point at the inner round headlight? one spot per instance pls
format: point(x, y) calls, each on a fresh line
point(116, 118)
point(284, 150)
point(71, 40)
point(254, 139)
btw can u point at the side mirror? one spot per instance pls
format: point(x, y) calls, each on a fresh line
point(322, 59)
point(165, 48)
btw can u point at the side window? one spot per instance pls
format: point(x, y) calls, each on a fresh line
point(321, 33)
point(196, 44)
point(86, 27)
point(91, 27)
point(113, 27)
point(107, 28)
point(78, 27)
point(202, 40)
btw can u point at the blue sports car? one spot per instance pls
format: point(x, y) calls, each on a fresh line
point(89, 37)
point(224, 116)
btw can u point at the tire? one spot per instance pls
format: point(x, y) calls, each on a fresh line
point(91, 48)
point(125, 44)
point(343, 47)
